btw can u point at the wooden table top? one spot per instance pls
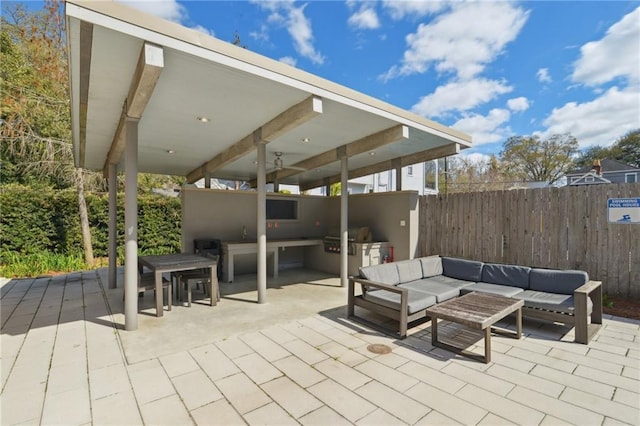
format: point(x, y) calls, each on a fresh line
point(475, 310)
point(176, 262)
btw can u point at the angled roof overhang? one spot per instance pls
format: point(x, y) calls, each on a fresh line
point(125, 63)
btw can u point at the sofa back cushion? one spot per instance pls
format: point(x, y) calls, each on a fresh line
point(409, 270)
point(511, 275)
point(386, 273)
point(554, 281)
point(431, 266)
point(462, 269)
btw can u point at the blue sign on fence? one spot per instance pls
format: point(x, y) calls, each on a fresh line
point(624, 210)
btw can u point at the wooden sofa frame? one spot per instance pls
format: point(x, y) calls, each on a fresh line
point(584, 330)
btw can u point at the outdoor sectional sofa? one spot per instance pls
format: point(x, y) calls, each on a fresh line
point(404, 290)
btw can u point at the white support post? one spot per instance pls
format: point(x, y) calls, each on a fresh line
point(113, 225)
point(262, 220)
point(344, 221)
point(131, 225)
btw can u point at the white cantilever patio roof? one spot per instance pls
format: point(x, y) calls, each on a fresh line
point(125, 62)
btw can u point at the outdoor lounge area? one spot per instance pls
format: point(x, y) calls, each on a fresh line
point(278, 345)
point(67, 360)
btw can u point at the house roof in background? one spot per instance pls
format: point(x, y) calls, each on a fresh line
point(589, 178)
point(607, 166)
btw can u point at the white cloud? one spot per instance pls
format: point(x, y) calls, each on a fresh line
point(461, 41)
point(459, 96)
point(364, 19)
point(615, 55)
point(400, 9)
point(543, 75)
point(518, 104)
point(262, 34)
point(288, 60)
point(170, 10)
point(166, 9)
point(485, 129)
point(204, 30)
point(478, 160)
point(600, 121)
point(302, 34)
point(286, 14)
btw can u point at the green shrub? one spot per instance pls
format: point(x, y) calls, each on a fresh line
point(27, 222)
point(42, 263)
point(46, 222)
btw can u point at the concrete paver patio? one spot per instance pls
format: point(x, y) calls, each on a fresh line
point(295, 360)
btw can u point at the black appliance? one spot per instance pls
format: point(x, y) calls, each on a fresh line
point(211, 246)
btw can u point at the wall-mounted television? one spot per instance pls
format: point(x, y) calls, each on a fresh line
point(282, 209)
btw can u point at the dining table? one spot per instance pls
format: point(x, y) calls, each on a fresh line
point(167, 263)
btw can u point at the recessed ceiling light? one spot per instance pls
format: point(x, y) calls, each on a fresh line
point(170, 151)
point(372, 153)
point(255, 161)
point(306, 140)
point(203, 119)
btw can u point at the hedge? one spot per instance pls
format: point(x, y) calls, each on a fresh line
point(35, 220)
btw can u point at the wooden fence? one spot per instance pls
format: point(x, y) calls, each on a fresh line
point(564, 228)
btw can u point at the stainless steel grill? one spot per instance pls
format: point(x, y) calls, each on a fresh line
point(355, 236)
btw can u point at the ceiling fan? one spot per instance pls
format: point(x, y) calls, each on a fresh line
point(278, 164)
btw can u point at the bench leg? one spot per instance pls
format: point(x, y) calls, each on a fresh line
point(585, 331)
point(487, 345)
point(434, 331)
point(403, 323)
point(350, 296)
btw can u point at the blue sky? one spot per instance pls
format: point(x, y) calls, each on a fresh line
point(493, 69)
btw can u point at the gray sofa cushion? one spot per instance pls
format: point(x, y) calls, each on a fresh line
point(431, 266)
point(501, 290)
point(454, 282)
point(512, 275)
point(468, 270)
point(438, 289)
point(409, 270)
point(551, 302)
point(387, 273)
point(554, 281)
point(417, 300)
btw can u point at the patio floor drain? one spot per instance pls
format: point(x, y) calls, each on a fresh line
point(379, 348)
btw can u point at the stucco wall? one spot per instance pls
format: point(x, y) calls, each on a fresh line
point(383, 213)
point(211, 213)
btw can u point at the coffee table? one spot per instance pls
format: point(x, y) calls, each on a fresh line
point(478, 311)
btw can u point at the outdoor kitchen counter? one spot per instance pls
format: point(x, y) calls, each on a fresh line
point(232, 248)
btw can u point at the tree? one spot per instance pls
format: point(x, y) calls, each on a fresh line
point(472, 174)
point(35, 107)
point(35, 120)
point(626, 150)
point(591, 154)
point(535, 159)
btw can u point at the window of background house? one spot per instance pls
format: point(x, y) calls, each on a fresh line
point(631, 177)
point(431, 175)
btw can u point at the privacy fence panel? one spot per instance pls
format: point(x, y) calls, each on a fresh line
point(564, 228)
